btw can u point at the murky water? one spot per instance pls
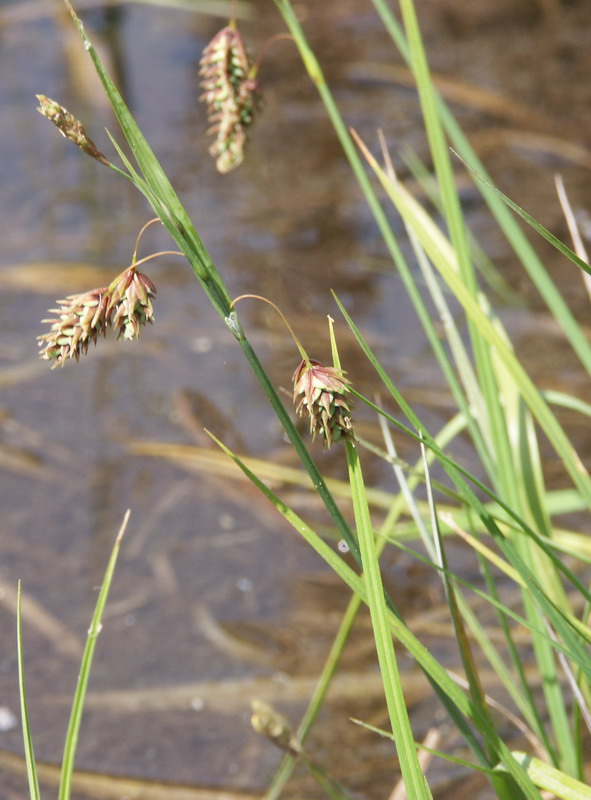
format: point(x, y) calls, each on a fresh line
point(211, 585)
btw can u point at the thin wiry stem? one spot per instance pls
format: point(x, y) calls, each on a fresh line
point(297, 342)
point(139, 236)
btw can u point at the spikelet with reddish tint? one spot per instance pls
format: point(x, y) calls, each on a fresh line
point(69, 127)
point(80, 320)
point(320, 393)
point(130, 303)
point(232, 96)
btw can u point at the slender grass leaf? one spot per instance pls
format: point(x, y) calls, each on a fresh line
point(87, 657)
point(27, 738)
point(552, 780)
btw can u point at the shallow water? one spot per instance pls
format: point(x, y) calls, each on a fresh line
point(211, 585)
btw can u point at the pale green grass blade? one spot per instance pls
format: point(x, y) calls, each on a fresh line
point(567, 401)
point(532, 495)
point(474, 408)
point(27, 738)
point(87, 657)
point(443, 258)
point(502, 476)
point(437, 144)
point(552, 780)
point(565, 626)
point(412, 774)
point(482, 263)
point(523, 249)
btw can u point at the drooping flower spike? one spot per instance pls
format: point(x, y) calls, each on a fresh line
point(232, 95)
point(126, 304)
point(80, 320)
point(130, 303)
point(319, 393)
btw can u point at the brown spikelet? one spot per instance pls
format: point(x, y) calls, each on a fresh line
point(320, 393)
point(130, 303)
point(69, 127)
point(232, 96)
point(81, 318)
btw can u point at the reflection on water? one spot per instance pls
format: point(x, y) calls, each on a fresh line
point(212, 585)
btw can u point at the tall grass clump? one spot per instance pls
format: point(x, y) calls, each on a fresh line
point(502, 509)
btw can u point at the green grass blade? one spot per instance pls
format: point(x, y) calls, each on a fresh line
point(514, 234)
point(552, 780)
point(448, 691)
point(480, 705)
point(443, 258)
point(412, 774)
point(493, 418)
point(394, 507)
point(482, 262)
point(87, 657)
point(533, 223)
point(27, 738)
point(567, 627)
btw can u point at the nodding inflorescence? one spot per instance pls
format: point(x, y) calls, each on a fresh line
point(320, 393)
point(232, 95)
point(81, 318)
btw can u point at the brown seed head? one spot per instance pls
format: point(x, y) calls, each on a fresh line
point(232, 96)
point(69, 127)
point(80, 320)
point(130, 302)
point(320, 392)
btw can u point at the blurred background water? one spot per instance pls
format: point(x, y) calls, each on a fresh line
point(212, 586)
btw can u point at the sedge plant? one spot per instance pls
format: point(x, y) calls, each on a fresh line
point(506, 513)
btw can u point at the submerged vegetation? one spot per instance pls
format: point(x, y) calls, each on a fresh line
point(535, 739)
